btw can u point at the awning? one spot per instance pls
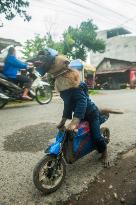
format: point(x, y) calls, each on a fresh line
point(111, 71)
point(79, 65)
point(89, 67)
point(76, 64)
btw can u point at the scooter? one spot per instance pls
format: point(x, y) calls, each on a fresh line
point(67, 148)
point(40, 90)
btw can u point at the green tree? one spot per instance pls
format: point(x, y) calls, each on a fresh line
point(78, 41)
point(50, 43)
point(10, 8)
point(33, 46)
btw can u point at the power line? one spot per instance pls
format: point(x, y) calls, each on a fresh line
point(101, 6)
point(77, 13)
point(121, 14)
point(71, 9)
point(106, 8)
point(130, 19)
point(132, 3)
point(90, 9)
point(98, 5)
point(59, 9)
point(81, 6)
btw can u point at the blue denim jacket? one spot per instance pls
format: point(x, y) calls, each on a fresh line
point(77, 101)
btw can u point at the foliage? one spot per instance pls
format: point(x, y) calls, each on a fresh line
point(93, 92)
point(75, 44)
point(10, 8)
point(50, 43)
point(33, 46)
point(78, 41)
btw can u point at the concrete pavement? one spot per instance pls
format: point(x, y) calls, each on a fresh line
point(16, 186)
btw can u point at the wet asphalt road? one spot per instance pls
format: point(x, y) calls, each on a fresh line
point(16, 186)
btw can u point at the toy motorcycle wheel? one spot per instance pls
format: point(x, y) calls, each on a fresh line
point(49, 174)
point(106, 133)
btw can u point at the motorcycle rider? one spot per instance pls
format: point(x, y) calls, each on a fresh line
point(12, 66)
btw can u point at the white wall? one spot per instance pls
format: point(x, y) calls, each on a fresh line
point(119, 47)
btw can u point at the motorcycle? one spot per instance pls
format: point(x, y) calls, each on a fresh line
point(66, 148)
point(40, 90)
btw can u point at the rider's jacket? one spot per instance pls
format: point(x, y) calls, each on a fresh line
point(12, 65)
point(77, 101)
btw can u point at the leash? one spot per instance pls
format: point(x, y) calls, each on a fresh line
point(59, 74)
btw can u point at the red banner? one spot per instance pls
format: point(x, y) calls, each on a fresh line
point(132, 75)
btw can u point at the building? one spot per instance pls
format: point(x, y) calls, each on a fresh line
point(120, 44)
point(6, 42)
point(116, 73)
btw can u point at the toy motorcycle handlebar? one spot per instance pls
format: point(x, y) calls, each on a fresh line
point(71, 133)
point(62, 128)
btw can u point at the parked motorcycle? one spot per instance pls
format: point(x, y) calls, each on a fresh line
point(68, 147)
point(40, 90)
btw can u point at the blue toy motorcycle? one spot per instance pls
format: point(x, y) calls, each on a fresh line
point(68, 147)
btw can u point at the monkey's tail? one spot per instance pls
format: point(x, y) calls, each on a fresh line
point(108, 111)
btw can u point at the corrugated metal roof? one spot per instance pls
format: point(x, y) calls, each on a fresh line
point(112, 71)
point(106, 58)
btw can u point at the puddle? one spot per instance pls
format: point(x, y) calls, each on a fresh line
point(30, 139)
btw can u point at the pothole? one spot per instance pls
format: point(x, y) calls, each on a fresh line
point(30, 139)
